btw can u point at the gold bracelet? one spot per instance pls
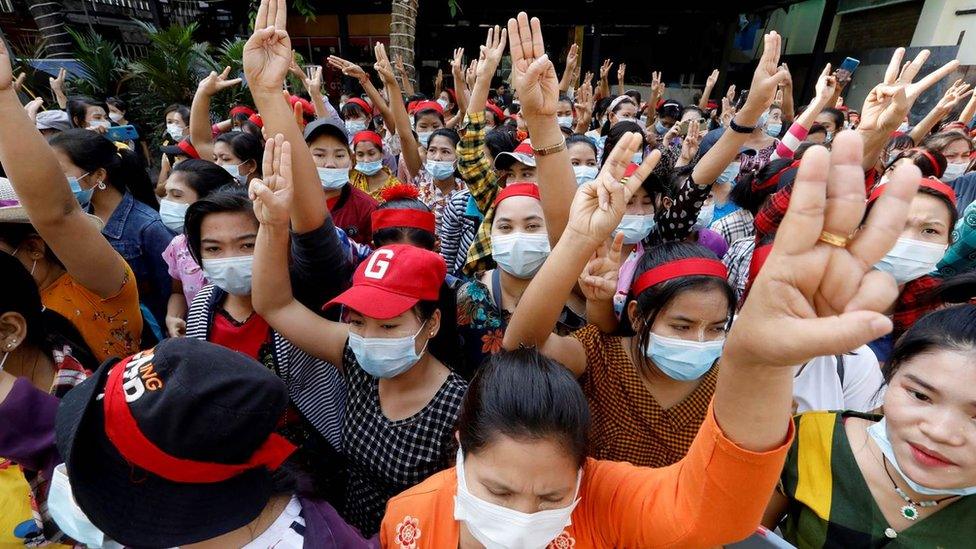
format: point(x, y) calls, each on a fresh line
point(553, 149)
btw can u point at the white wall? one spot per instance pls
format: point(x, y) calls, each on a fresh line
point(939, 25)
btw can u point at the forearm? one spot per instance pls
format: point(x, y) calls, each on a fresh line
point(315, 97)
point(407, 86)
point(926, 124)
point(381, 105)
point(725, 150)
point(479, 95)
point(271, 282)
point(874, 142)
point(460, 91)
point(600, 314)
point(61, 98)
point(706, 93)
point(201, 131)
point(603, 90)
point(408, 143)
point(308, 208)
point(176, 306)
point(788, 109)
point(968, 111)
point(557, 181)
point(756, 424)
point(438, 88)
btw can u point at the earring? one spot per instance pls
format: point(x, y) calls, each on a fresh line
point(101, 185)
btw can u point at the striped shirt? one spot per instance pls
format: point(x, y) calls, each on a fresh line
point(628, 424)
point(456, 232)
point(791, 141)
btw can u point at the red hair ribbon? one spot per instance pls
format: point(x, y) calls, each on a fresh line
point(124, 433)
point(518, 189)
point(256, 120)
point(392, 217)
point(362, 104)
point(430, 106)
point(927, 183)
point(696, 266)
point(188, 148)
point(242, 109)
point(931, 159)
point(370, 136)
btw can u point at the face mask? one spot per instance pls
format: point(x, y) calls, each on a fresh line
point(565, 121)
point(953, 171)
point(763, 118)
point(69, 517)
point(355, 126)
point(637, 158)
point(369, 168)
point(424, 138)
point(585, 173)
point(683, 360)
point(660, 128)
point(99, 124)
point(115, 116)
point(636, 227)
point(498, 527)
point(879, 432)
point(892, 156)
point(83, 196)
point(236, 129)
point(442, 103)
point(729, 173)
point(235, 172)
point(173, 214)
point(910, 259)
point(830, 137)
point(520, 254)
point(231, 274)
point(705, 215)
point(174, 131)
point(440, 169)
point(902, 128)
point(772, 130)
point(333, 178)
point(386, 357)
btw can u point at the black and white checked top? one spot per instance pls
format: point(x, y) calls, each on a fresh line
point(386, 457)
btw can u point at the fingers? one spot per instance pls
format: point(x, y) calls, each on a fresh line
point(934, 76)
point(284, 166)
point(835, 335)
point(620, 156)
point(886, 221)
point(894, 66)
point(803, 221)
point(281, 15)
point(908, 73)
point(616, 249)
point(645, 169)
point(845, 187)
point(877, 291)
point(261, 21)
point(267, 161)
point(538, 46)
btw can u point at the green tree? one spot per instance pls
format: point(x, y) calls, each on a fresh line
point(101, 62)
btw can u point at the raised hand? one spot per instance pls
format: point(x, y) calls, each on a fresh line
point(825, 87)
point(657, 89)
point(787, 82)
point(958, 91)
point(600, 204)
point(584, 100)
point(820, 299)
point(598, 281)
point(457, 62)
point(272, 195)
point(492, 51)
point(401, 69)
point(439, 79)
point(57, 83)
point(216, 83)
point(348, 68)
point(533, 74)
point(267, 53)
point(768, 76)
point(887, 104)
point(689, 147)
point(712, 79)
point(621, 71)
point(605, 69)
point(33, 107)
point(383, 66)
point(572, 58)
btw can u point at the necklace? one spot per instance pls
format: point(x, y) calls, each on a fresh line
point(910, 510)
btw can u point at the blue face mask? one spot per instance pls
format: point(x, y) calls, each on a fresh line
point(424, 138)
point(879, 432)
point(636, 227)
point(82, 196)
point(637, 158)
point(235, 172)
point(585, 173)
point(355, 126)
point(69, 517)
point(333, 178)
point(728, 175)
point(680, 359)
point(705, 216)
point(386, 357)
point(660, 128)
point(772, 130)
point(440, 169)
point(369, 168)
point(173, 214)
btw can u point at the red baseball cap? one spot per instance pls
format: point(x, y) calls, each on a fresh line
point(392, 280)
point(523, 153)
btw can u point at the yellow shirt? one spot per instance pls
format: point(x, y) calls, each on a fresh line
point(19, 521)
point(361, 182)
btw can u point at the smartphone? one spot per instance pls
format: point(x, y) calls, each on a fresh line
point(846, 69)
point(683, 128)
point(122, 133)
point(743, 95)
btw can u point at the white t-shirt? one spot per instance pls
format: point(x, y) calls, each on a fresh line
point(818, 385)
point(286, 532)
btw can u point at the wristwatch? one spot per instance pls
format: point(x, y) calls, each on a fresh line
point(740, 129)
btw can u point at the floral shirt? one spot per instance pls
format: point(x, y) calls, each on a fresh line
point(433, 196)
point(184, 268)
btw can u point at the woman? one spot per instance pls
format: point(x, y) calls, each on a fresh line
point(44, 352)
point(402, 401)
point(931, 163)
point(88, 113)
point(369, 174)
point(832, 120)
point(437, 179)
point(189, 181)
point(956, 147)
point(358, 115)
point(79, 274)
point(583, 155)
point(113, 185)
point(907, 475)
point(177, 120)
point(240, 154)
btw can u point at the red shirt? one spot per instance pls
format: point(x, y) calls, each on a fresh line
point(351, 212)
point(246, 337)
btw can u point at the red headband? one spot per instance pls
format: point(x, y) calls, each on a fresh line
point(188, 148)
point(926, 183)
point(675, 269)
point(242, 109)
point(124, 433)
point(256, 120)
point(430, 106)
point(499, 115)
point(362, 105)
point(392, 217)
point(368, 135)
point(931, 159)
point(518, 189)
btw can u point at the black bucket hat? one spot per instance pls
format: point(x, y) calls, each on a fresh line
point(173, 445)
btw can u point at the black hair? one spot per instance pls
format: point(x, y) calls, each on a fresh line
point(694, 108)
point(425, 112)
point(837, 115)
point(743, 194)
point(635, 95)
point(416, 97)
point(949, 329)
point(181, 110)
point(817, 128)
point(563, 98)
point(352, 110)
point(117, 103)
point(246, 147)
point(90, 151)
point(616, 133)
point(900, 142)
point(78, 107)
point(653, 300)
point(577, 139)
point(449, 133)
point(203, 176)
point(15, 234)
point(410, 235)
point(251, 128)
point(229, 199)
point(924, 162)
point(524, 395)
point(500, 139)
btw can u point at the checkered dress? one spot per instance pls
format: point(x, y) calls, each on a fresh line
point(386, 457)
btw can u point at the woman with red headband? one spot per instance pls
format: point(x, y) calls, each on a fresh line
point(369, 174)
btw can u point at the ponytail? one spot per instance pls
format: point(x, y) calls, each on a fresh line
point(91, 151)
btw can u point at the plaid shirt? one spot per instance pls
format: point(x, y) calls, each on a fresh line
point(736, 225)
point(773, 211)
point(737, 260)
point(914, 302)
point(961, 255)
point(478, 173)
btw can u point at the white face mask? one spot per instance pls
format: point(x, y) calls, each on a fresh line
point(705, 215)
point(355, 126)
point(879, 433)
point(443, 103)
point(498, 527)
point(230, 274)
point(520, 254)
point(333, 178)
point(386, 357)
point(585, 173)
point(173, 214)
point(175, 131)
point(954, 170)
point(636, 227)
point(235, 171)
point(99, 124)
point(910, 259)
point(115, 116)
point(565, 121)
point(728, 175)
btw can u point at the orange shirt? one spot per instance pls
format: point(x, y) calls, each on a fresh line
point(716, 494)
point(110, 326)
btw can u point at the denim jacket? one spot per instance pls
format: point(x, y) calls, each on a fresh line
point(137, 233)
